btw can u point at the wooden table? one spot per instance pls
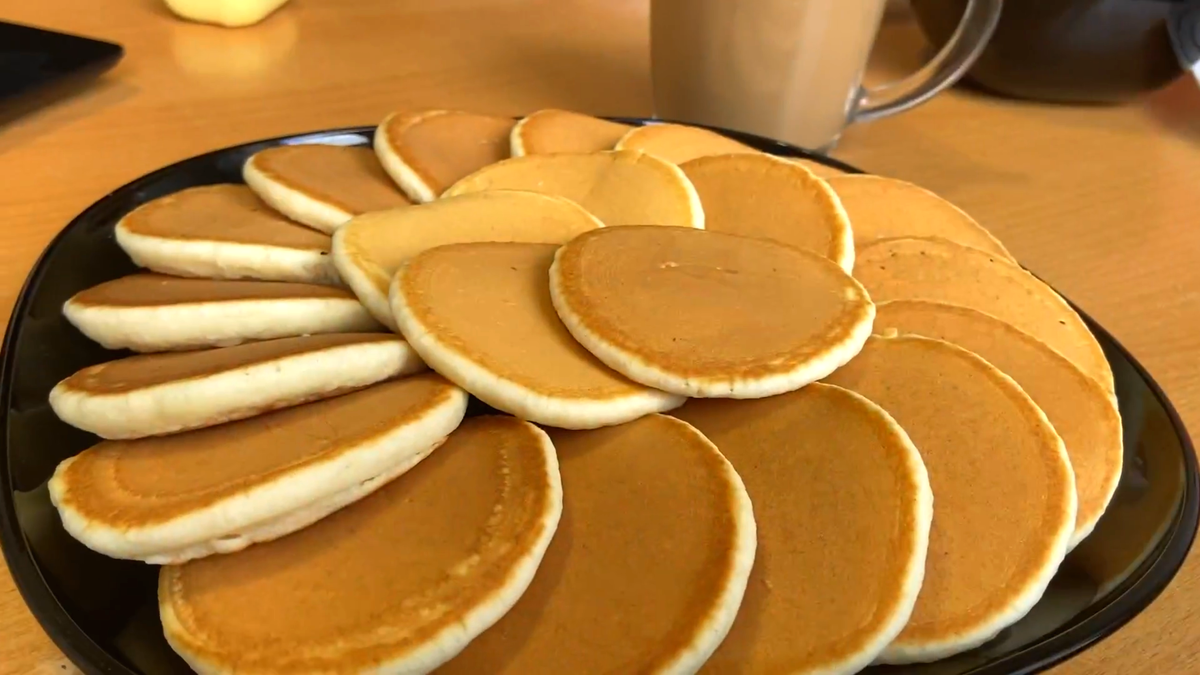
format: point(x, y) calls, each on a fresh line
point(1101, 202)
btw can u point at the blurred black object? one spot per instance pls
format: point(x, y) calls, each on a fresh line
point(1067, 51)
point(38, 67)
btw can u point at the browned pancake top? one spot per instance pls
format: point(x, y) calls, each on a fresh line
point(1001, 483)
point(549, 131)
point(882, 208)
point(1080, 409)
point(345, 177)
point(708, 305)
point(444, 146)
point(942, 271)
point(631, 574)
point(832, 559)
point(157, 290)
point(490, 303)
point(382, 577)
point(225, 213)
point(677, 143)
point(152, 480)
point(756, 195)
point(149, 370)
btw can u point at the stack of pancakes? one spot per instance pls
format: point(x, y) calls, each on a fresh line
point(750, 414)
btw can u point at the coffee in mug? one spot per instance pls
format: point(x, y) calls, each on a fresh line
point(790, 69)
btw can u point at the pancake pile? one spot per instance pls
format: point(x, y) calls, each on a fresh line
point(736, 413)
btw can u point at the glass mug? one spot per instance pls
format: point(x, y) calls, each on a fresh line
point(791, 69)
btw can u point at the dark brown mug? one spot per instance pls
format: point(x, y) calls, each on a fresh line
point(1070, 51)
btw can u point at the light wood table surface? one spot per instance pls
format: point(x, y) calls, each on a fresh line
point(1103, 202)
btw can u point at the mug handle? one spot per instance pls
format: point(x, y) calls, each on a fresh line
point(959, 53)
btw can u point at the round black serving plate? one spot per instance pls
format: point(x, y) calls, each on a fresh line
point(102, 613)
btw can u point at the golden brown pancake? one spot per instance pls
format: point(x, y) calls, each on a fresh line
point(1081, 411)
point(398, 582)
point(156, 290)
point(155, 394)
point(882, 208)
point(632, 582)
point(480, 314)
point(843, 508)
point(223, 232)
point(223, 212)
point(369, 249)
point(154, 312)
point(941, 271)
point(171, 498)
point(550, 131)
point(678, 143)
point(706, 314)
point(322, 186)
point(1003, 490)
point(152, 370)
point(618, 187)
point(756, 195)
point(427, 152)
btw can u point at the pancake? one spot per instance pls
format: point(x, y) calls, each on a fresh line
point(426, 152)
point(369, 249)
point(632, 582)
point(705, 314)
point(937, 270)
point(1003, 489)
point(552, 131)
point(168, 499)
point(480, 315)
point(757, 195)
point(1080, 409)
point(619, 188)
point(396, 583)
point(678, 143)
point(843, 508)
point(154, 394)
point(319, 185)
point(883, 208)
point(223, 232)
point(154, 313)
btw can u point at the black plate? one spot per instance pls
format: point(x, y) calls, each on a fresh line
point(102, 612)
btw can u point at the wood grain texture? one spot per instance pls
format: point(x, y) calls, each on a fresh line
point(1100, 201)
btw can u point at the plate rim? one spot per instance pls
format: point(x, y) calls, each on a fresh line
point(1131, 598)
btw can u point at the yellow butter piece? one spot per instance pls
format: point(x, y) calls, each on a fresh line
point(228, 13)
